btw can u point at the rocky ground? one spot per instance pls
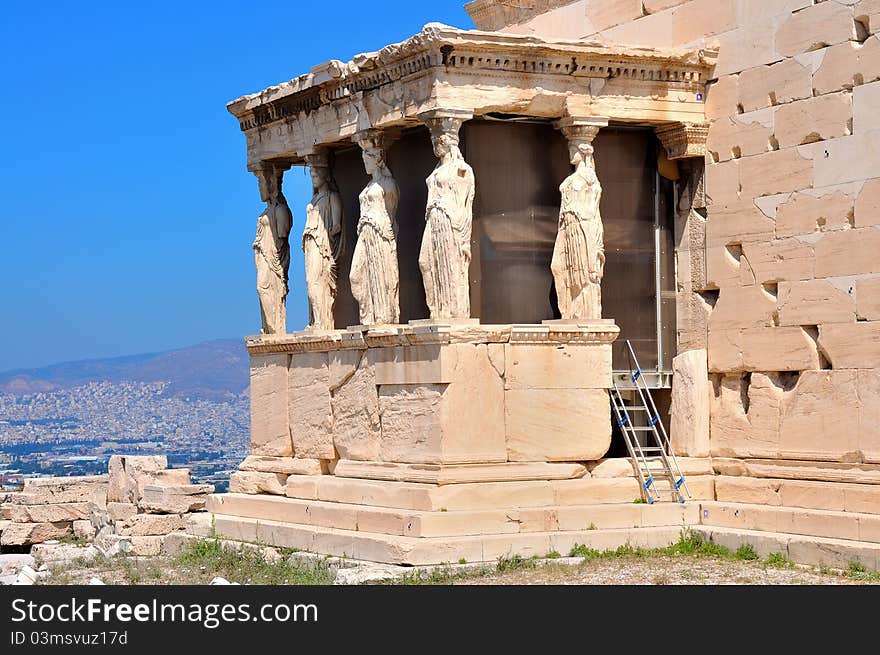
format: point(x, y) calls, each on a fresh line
point(201, 561)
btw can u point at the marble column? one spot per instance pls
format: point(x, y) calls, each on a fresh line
point(445, 255)
point(323, 241)
point(375, 278)
point(272, 249)
point(579, 254)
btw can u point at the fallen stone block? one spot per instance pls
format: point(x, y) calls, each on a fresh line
point(84, 530)
point(150, 525)
point(23, 534)
point(43, 491)
point(53, 513)
point(126, 471)
point(179, 499)
point(121, 511)
point(13, 563)
point(199, 524)
point(63, 553)
point(146, 546)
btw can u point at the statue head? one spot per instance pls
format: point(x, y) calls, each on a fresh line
point(446, 143)
point(374, 160)
point(580, 152)
point(270, 180)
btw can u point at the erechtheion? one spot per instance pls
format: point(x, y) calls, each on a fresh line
point(498, 211)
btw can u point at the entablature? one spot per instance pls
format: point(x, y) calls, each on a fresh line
point(481, 73)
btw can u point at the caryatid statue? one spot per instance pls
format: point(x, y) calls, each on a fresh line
point(375, 278)
point(445, 255)
point(272, 250)
point(322, 243)
point(579, 253)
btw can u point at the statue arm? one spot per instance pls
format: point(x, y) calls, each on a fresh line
point(336, 213)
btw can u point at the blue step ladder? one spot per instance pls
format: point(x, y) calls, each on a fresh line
point(654, 461)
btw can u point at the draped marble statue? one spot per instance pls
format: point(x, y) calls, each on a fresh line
point(272, 251)
point(375, 281)
point(579, 254)
point(322, 243)
point(445, 254)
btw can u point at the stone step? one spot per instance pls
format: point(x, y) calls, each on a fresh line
point(361, 518)
point(850, 526)
point(460, 473)
point(474, 496)
point(834, 496)
point(413, 551)
point(815, 551)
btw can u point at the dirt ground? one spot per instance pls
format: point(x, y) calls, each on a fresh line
point(665, 570)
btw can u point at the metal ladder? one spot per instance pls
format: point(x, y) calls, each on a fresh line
point(656, 460)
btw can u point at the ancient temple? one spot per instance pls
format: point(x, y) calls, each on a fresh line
point(495, 211)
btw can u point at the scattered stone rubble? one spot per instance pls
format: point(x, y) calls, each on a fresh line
point(131, 510)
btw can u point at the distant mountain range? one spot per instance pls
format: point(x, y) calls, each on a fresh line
point(215, 370)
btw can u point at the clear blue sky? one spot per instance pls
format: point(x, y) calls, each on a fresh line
point(126, 211)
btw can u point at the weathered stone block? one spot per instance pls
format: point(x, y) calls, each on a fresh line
point(725, 351)
point(815, 27)
point(780, 171)
point(284, 465)
point(778, 349)
point(853, 345)
point(745, 416)
point(868, 299)
point(747, 490)
point(738, 223)
point(462, 422)
point(175, 500)
point(846, 159)
point(849, 252)
point(428, 364)
point(144, 525)
point(848, 64)
point(253, 482)
point(821, 417)
point(689, 413)
point(777, 260)
point(603, 15)
point(310, 416)
point(722, 97)
point(867, 210)
point(354, 399)
point(557, 425)
point(121, 511)
point(814, 119)
point(84, 530)
point(23, 534)
point(740, 136)
point(740, 307)
point(51, 513)
point(866, 108)
point(702, 18)
point(813, 302)
point(270, 431)
point(780, 83)
point(41, 491)
point(564, 367)
point(805, 213)
point(722, 184)
point(616, 467)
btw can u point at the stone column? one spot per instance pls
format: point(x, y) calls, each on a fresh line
point(375, 278)
point(272, 249)
point(445, 254)
point(579, 255)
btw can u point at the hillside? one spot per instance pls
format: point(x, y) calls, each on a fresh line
point(215, 370)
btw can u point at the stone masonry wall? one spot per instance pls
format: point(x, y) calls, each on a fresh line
point(792, 192)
